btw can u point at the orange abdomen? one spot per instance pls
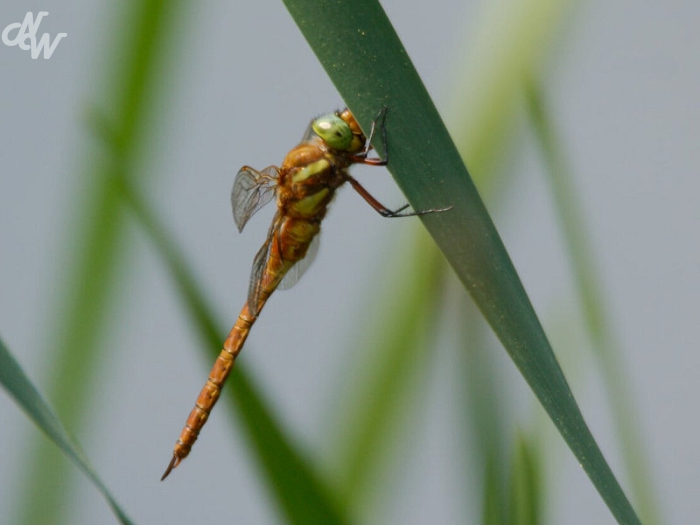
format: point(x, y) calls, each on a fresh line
point(211, 391)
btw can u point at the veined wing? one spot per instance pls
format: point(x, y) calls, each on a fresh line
point(255, 287)
point(252, 189)
point(260, 263)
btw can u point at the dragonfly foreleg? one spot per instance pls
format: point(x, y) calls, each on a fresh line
point(362, 156)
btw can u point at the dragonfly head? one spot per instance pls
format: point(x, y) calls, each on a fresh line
point(340, 131)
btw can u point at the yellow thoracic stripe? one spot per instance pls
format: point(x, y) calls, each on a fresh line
point(310, 170)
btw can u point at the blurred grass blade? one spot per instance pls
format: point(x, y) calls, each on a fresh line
point(494, 498)
point(303, 496)
point(13, 378)
point(525, 506)
point(385, 381)
point(364, 58)
point(590, 295)
point(297, 488)
point(509, 37)
point(97, 248)
point(482, 411)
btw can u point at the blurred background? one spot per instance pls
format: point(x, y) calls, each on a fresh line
point(229, 86)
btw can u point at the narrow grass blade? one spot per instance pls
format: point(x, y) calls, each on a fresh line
point(364, 58)
point(525, 506)
point(593, 306)
point(296, 487)
point(18, 385)
point(494, 497)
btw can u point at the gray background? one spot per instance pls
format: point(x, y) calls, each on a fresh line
point(623, 86)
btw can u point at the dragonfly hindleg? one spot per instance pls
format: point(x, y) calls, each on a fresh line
point(383, 210)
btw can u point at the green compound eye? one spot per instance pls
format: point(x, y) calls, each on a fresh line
point(334, 131)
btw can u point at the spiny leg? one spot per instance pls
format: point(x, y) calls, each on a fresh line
point(362, 156)
point(383, 210)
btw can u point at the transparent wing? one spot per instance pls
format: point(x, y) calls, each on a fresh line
point(259, 263)
point(299, 269)
point(308, 133)
point(251, 191)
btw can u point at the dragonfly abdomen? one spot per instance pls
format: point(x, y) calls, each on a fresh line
point(295, 236)
point(211, 391)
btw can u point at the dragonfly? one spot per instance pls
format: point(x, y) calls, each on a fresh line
point(304, 186)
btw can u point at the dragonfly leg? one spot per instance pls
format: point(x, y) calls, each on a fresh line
point(361, 157)
point(383, 210)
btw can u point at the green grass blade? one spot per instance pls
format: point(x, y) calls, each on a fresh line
point(98, 248)
point(590, 295)
point(525, 483)
point(494, 498)
point(490, 98)
point(364, 58)
point(300, 493)
point(18, 385)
